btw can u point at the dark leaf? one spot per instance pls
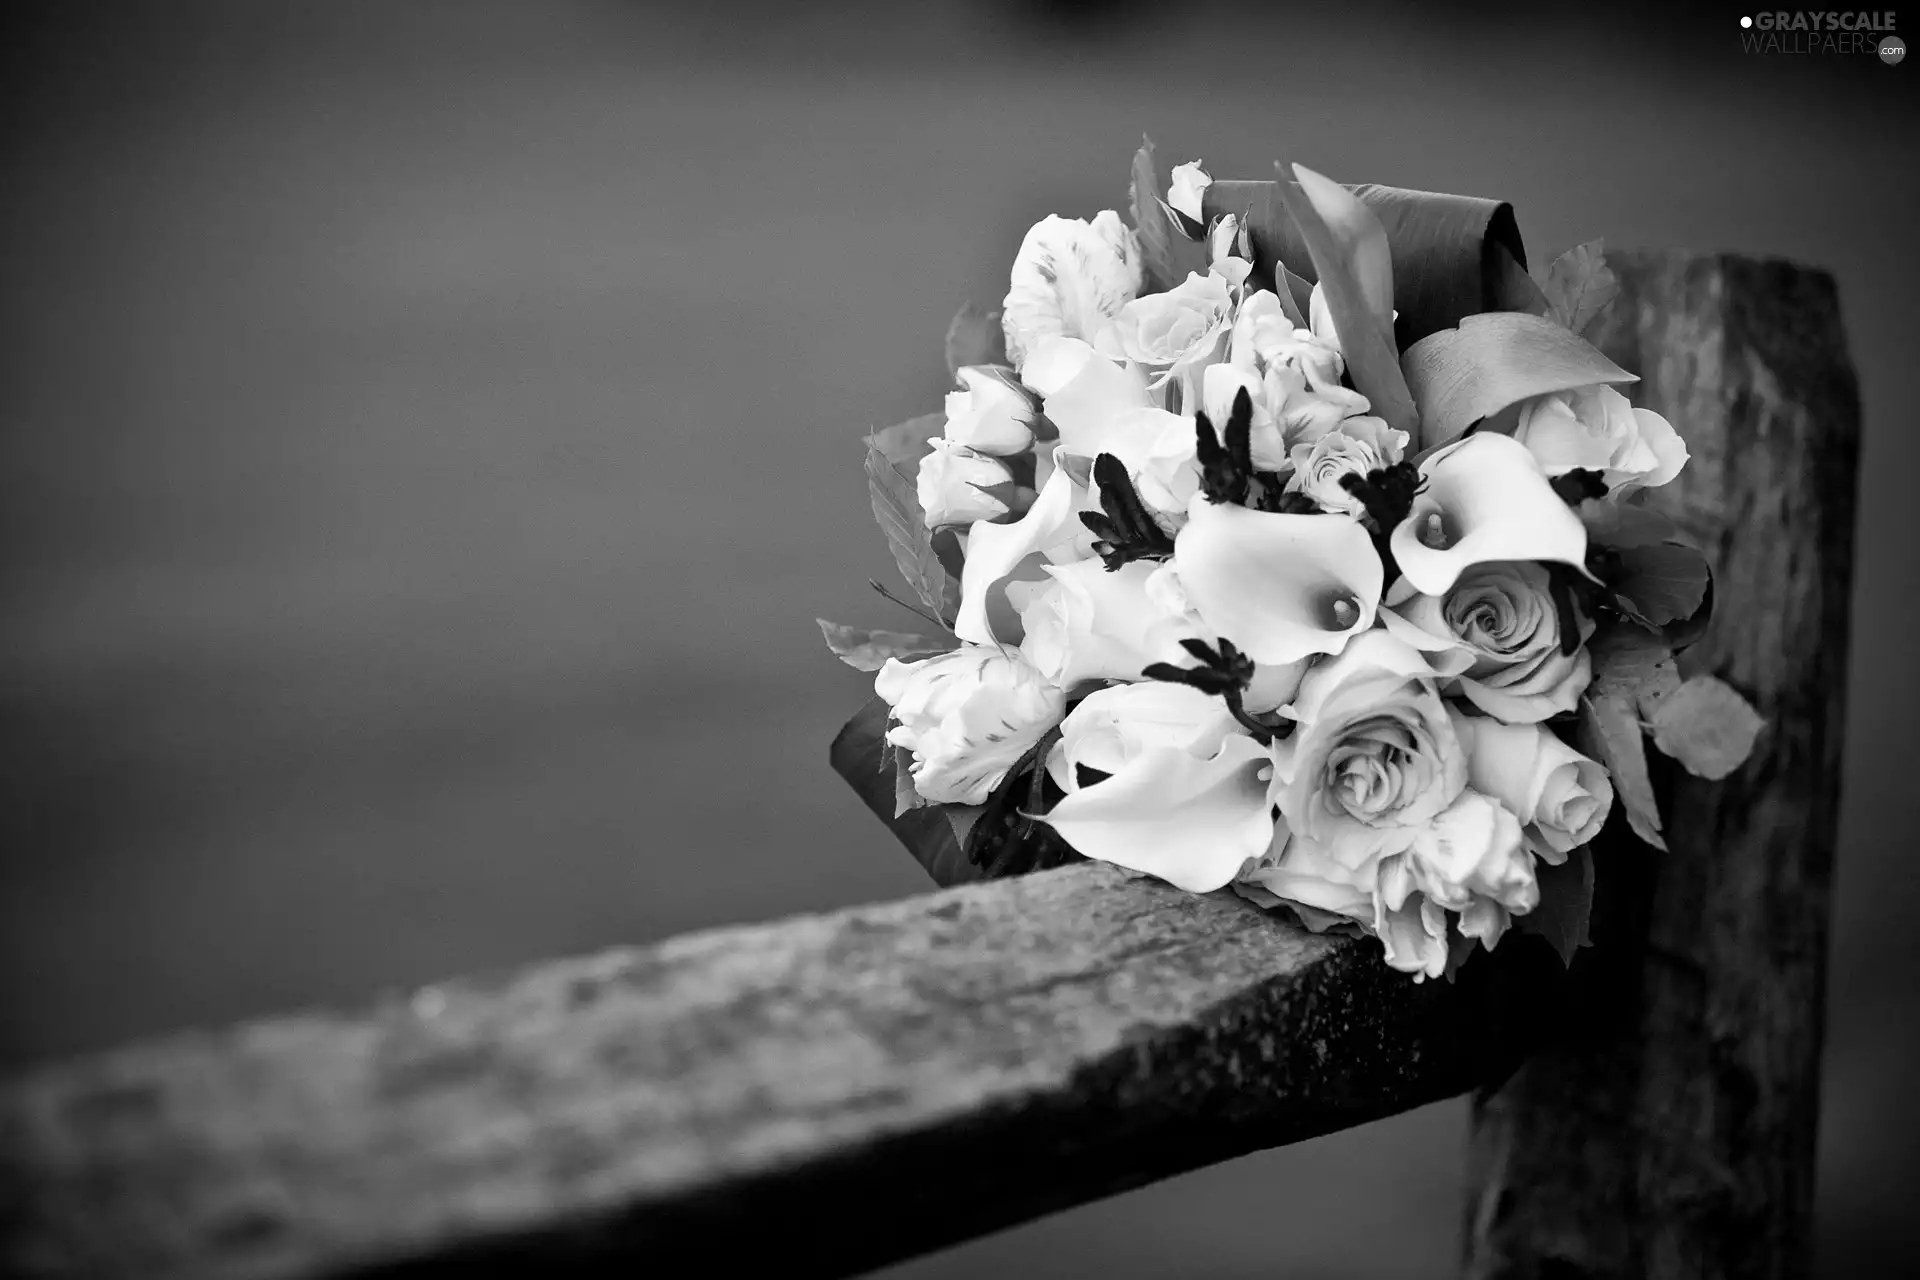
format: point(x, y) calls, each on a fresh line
point(927, 831)
point(868, 650)
point(1610, 733)
point(1658, 583)
point(1566, 901)
point(1460, 949)
point(897, 508)
point(1446, 250)
point(1514, 289)
point(1707, 726)
point(975, 337)
point(1580, 286)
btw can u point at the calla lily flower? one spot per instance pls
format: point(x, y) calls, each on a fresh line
point(996, 551)
point(1281, 587)
point(1184, 801)
point(1486, 498)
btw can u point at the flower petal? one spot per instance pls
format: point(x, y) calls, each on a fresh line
point(1189, 821)
point(1281, 587)
point(1493, 503)
point(994, 551)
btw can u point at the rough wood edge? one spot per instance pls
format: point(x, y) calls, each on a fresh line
point(858, 1087)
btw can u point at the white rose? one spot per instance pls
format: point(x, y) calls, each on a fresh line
point(1355, 447)
point(1069, 278)
point(1176, 333)
point(953, 484)
point(1598, 429)
point(1188, 188)
point(988, 414)
point(1301, 372)
point(1373, 787)
point(1497, 630)
point(967, 716)
point(1561, 796)
point(1228, 253)
point(1160, 779)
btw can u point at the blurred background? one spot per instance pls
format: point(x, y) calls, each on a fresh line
point(430, 431)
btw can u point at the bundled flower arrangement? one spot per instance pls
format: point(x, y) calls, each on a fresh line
point(1289, 539)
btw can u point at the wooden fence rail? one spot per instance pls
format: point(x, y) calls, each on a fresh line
point(841, 1091)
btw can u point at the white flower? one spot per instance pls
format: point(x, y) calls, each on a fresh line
point(1185, 796)
point(1497, 629)
point(997, 552)
point(966, 716)
point(1228, 252)
point(1485, 499)
point(1188, 189)
point(1383, 826)
point(953, 484)
point(1175, 334)
point(1281, 587)
point(1301, 372)
point(988, 414)
point(1353, 448)
point(1274, 683)
point(1598, 429)
point(1092, 624)
point(1069, 278)
point(1561, 796)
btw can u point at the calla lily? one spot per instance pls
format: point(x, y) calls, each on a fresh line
point(1486, 498)
point(1089, 405)
point(1092, 624)
point(1281, 587)
point(996, 551)
point(1180, 803)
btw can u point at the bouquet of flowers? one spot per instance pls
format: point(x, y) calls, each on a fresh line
point(1288, 539)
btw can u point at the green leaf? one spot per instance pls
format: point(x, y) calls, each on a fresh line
point(1447, 250)
point(1459, 376)
point(1610, 733)
point(927, 832)
point(1634, 665)
point(1580, 286)
point(1155, 230)
point(1707, 726)
point(1354, 265)
point(1566, 903)
point(897, 508)
point(905, 443)
point(868, 650)
point(1659, 584)
point(961, 818)
point(975, 337)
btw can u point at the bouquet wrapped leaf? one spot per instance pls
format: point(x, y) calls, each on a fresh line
point(1285, 537)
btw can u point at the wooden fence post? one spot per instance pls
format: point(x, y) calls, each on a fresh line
point(1672, 1131)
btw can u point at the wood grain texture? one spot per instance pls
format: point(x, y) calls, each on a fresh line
point(1673, 1134)
point(852, 1088)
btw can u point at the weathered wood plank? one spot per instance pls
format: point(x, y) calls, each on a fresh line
point(854, 1087)
point(1673, 1134)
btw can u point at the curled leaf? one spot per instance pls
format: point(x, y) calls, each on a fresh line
point(1355, 269)
point(1491, 361)
point(1707, 726)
